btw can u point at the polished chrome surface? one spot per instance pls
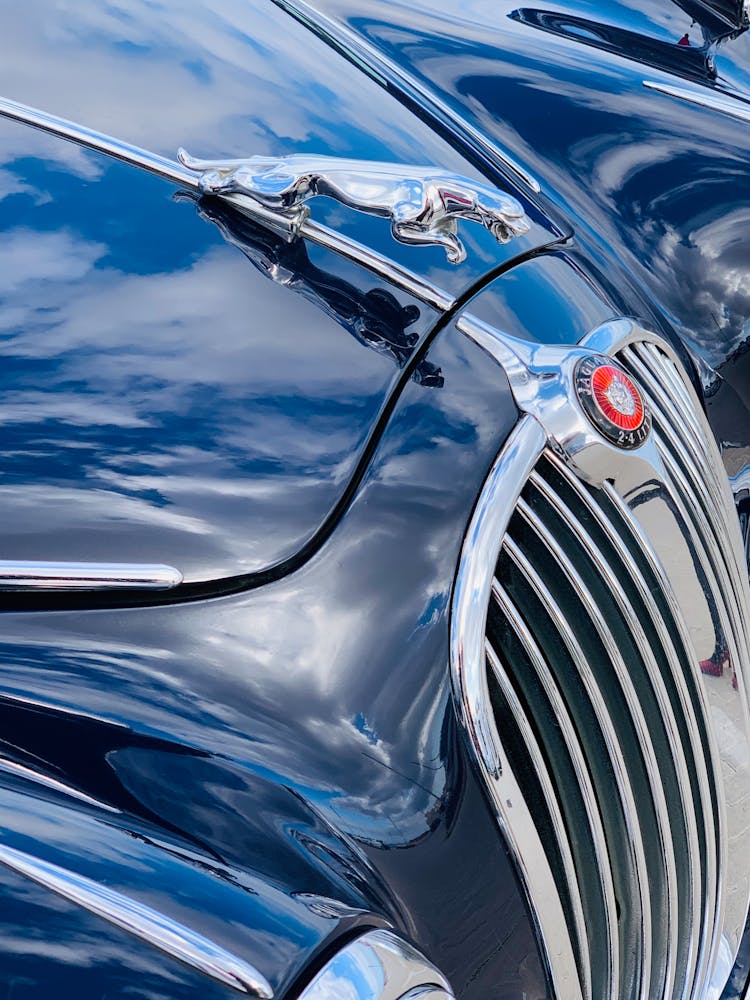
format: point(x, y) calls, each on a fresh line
point(97, 141)
point(424, 205)
point(671, 652)
point(536, 753)
point(705, 97)
point(386, 72)
point(378, 966)
point(474, 584)
point(86, 576)
point(601, 608)
point(421, 288)
point(145, 923)
point(171, 170)
point(574, 746)
point(470, 602)
point(701, 495)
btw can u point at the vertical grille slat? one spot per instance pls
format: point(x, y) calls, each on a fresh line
point(569, 735)
point(697, 717)
point(679, 718)
point(685, 454)
point(617, 631)
point(700, 492)
point(537, 760)
point(635, 887)
point(697, 506)
point(666, 862)
point(682, 813)
point(707, 553)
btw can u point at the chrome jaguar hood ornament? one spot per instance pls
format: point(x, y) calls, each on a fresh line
point(423, 204)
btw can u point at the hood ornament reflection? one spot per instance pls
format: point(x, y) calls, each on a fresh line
point(423, 204)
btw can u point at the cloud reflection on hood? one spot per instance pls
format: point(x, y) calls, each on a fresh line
point(208, 416)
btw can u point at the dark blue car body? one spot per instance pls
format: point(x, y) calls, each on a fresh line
point(270, 753)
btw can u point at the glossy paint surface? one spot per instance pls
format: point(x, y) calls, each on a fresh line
point(154, 868)
point(654, 186)
point(549, 299)
point(224, 80)
point(241, 762)
point(163, 394)
point(163, 400)
point(300, 737)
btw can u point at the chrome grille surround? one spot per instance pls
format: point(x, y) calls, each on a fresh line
point(599, 648)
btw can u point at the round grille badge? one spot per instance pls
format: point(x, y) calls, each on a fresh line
point(612, 401)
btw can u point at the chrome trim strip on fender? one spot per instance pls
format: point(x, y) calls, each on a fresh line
point(87, 576)
point(173, 171)
point(378, 966)
point(143, 922)
point(12, 767)
point(705, 97)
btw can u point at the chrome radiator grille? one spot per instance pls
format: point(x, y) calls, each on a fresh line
point(599, 647)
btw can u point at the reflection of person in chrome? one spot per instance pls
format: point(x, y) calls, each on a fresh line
point(714, 665)
point(375, 317)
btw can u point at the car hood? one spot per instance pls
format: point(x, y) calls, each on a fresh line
point(163, 400)
point(635, 123)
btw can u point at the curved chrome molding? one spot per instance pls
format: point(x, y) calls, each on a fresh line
point(424, 205)
point(87, 576)
point(149, 925)
point(540, 375)
point(471, 599)
point(670, 498)
point(704, 97)
point(173, 171)
point(378, 966)
point(384, 71)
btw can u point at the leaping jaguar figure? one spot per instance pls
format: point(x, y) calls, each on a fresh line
point(423, 205)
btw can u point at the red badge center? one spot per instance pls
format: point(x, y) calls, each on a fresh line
point(617, 398)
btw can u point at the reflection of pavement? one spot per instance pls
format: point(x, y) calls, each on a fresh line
point(724, 704)
point(697, 596)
